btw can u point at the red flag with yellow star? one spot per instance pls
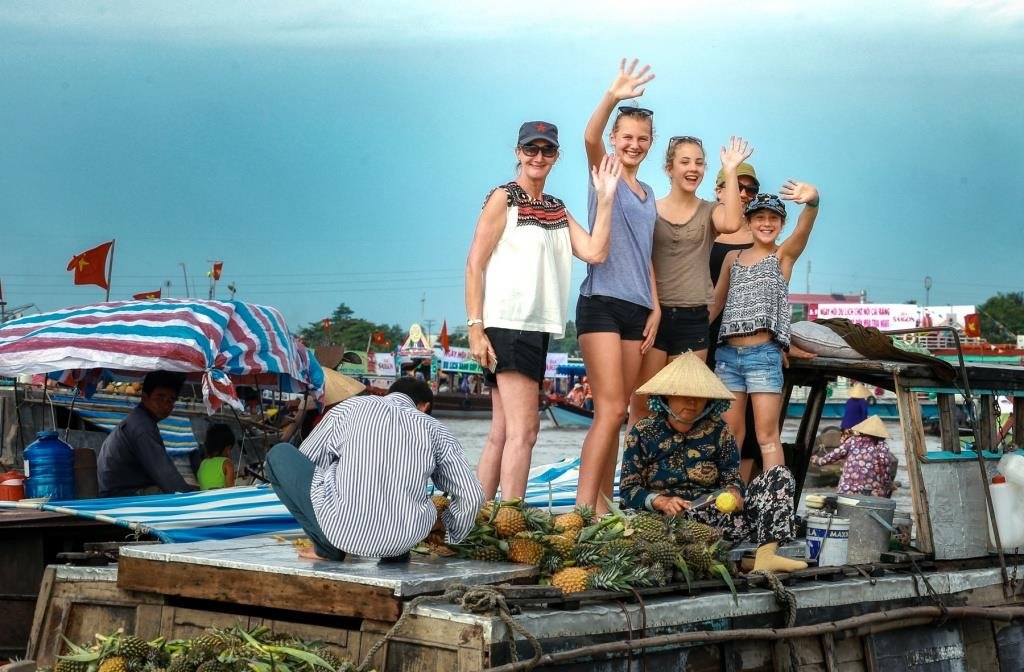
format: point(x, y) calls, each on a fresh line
point(148, 295)
point(90, 267)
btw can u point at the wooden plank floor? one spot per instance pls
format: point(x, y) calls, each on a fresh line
point(265, 571)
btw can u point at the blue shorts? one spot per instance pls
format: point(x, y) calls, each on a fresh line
point(750, 368)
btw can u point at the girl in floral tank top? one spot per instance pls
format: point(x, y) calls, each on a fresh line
point(752, 297)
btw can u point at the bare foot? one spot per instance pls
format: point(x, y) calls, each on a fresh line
point(309, 553)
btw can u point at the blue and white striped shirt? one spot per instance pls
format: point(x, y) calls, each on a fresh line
point(372, 458)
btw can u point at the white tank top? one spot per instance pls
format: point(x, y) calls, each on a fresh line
point(526, 282)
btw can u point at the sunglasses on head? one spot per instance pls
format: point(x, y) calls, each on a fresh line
point(631, 110)
point(547, 151)
point(676, 139)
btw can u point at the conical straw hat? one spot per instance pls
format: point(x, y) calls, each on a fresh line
point(687, 376)
point(873, 426)
point(860, 391)
point(339, 387)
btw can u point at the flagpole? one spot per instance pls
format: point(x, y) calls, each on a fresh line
point(110, 268)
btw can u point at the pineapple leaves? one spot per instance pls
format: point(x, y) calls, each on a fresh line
point(720, 569)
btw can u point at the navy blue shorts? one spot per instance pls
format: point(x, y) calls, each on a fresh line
point(597, 314)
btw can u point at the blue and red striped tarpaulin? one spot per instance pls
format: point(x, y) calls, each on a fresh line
point(222, 342)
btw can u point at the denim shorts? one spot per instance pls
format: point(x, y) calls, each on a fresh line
point(750, 368)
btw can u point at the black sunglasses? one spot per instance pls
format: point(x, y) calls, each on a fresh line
point(751, 189)
point(632, 110)
point(676, 139)
point(547, 151)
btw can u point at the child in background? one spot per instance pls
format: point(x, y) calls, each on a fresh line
point(870, 468)
point(217, 471)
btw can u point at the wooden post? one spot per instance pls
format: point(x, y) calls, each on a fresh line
point(988, 423)
point(914, 449)
point(1018, 422)
point(948, 426)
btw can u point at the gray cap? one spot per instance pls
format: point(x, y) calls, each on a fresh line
point(538, 130)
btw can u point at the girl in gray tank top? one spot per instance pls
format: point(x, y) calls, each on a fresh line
point(756, 315)
point(617, 313)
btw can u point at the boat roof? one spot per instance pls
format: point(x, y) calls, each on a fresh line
point(984, 378)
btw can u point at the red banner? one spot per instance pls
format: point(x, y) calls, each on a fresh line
point(90, 267)
point(148, 295)
point(218, 266)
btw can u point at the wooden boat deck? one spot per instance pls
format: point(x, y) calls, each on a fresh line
point(274, 576)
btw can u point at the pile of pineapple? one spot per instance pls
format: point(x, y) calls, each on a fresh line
point(575, 552)
point(218, 650)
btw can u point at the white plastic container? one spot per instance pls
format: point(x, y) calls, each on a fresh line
point(828, 540)
point(1008, 503)
point(1011, 465)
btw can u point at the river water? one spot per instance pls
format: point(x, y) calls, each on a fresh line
point(555, 443)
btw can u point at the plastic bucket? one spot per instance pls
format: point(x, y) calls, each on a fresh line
point(828, 540)
point(12, 486)
point(870, 523)
point(1008, 504)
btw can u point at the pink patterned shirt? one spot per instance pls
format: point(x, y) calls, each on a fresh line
point(869, 470)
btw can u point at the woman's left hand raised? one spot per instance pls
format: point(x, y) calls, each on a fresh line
point(798, 192)
point(606, 177)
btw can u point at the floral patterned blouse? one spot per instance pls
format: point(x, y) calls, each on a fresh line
point(661, 461)
point(869, 470)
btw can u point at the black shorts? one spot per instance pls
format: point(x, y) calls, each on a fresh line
point(524, 352)
point(595, 314)
point(682, 329)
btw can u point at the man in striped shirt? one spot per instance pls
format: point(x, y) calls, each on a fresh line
point(358, 483)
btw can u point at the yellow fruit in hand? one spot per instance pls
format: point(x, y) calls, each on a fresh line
point(726, 502)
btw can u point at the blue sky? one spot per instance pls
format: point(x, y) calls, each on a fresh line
point(339, 152)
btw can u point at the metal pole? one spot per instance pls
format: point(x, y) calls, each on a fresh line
point(110, 268)
point(184, 273)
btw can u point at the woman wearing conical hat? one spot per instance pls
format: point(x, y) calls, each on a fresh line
point(855, 410)
point(870, 468)
point(685, 452)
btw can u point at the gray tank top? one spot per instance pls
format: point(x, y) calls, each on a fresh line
point(758, 300)
point(625, 274)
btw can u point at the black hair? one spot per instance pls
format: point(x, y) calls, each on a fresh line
point(218, 437)
point(417, 390)
point(166, 379)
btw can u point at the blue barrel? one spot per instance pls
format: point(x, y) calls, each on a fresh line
point(50, 468)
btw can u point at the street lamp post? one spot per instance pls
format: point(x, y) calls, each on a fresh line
point(927, 290)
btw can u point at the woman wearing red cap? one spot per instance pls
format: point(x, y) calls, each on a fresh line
point(517, 294)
